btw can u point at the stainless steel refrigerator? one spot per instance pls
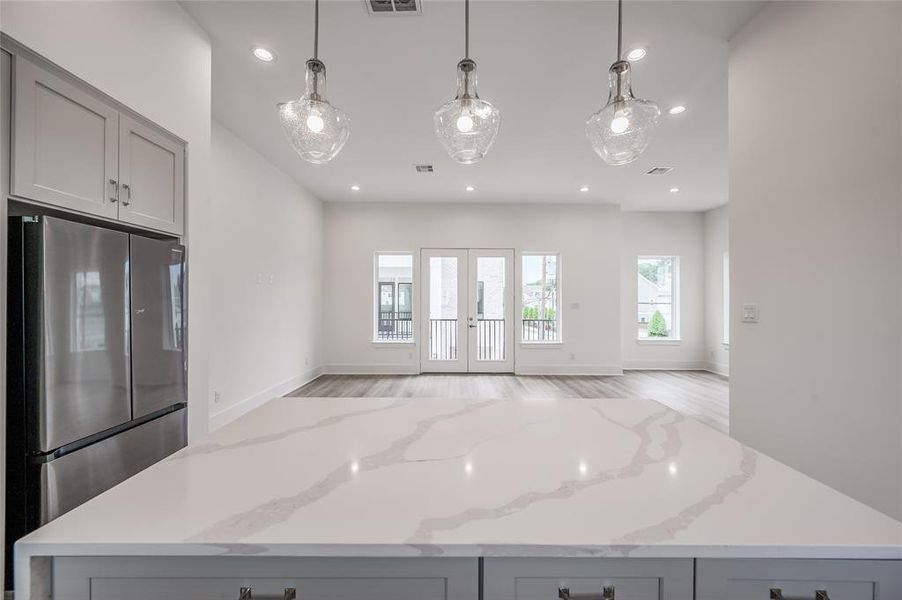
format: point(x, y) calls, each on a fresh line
point(95, 360)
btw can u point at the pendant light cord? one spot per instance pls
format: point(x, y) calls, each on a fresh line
point(619, 29)
point(466, 28)
point(315, 29)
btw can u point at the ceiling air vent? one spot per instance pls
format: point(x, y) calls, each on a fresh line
point(660, 171)
point(424, 168)
point(393, 7)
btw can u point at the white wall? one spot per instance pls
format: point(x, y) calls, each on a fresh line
point(266, 280)
point(672, 234)
point(717, 242)
point(588, 238)
point(815, 193)
point(155, 59)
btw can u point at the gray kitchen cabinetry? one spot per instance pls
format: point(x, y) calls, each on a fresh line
point(588, 578)
point(74, 149)
point(222, 578)
point(798, 579)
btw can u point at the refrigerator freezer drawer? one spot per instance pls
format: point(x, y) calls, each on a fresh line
point(75, 478)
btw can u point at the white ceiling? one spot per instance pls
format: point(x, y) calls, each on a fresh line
point(543, 63)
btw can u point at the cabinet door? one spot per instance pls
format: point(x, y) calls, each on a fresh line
point(64, 143)
point(625, 578)
point(797, 579)
point(152, 176)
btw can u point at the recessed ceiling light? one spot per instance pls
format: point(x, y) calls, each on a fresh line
point(263, 54)
point(470, 188)
point(677, 109)
point(636, 54)
point(585, 188)
point(674, 190)
point(355, 188)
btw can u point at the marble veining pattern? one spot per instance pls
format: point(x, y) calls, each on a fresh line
point(463, 477)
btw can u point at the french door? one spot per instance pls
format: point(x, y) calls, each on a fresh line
point(467, 311)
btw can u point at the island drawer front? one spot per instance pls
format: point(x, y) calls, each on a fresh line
point(221, 578)
point(631, 578)
point(798, 579)
point(269, 588)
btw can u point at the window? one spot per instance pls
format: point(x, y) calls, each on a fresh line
point(540, 298)
point(658, 278)
point(726, 298)
point(394, 297)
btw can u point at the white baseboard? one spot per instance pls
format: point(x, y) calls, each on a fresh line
point(665, 365)
point(718, 368)
point(565, 369)
point(243, 407)
point(389, 369)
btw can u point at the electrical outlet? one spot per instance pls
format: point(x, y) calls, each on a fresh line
point(259, 278)
point(272, 279)
point(306, 361)
point(216, 397)
point(749, 313)
point(572, 357)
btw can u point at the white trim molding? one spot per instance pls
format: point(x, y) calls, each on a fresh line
point(242, 407)
point(665, 365)
point(371, 369)
point(568, 369)
point(718, 368)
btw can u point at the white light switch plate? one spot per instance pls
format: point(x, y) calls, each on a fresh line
point(749, 313)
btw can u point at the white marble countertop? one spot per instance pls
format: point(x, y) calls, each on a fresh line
point(440, 477)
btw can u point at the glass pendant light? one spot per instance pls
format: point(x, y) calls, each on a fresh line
point(316, 129)
point(620, 131)
point(467, 126)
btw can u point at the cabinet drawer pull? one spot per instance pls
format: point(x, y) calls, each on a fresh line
point(115, 196)
point(247, 593)
point(607, 593)
point(777, 594)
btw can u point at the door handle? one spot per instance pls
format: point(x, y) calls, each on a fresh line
point(128, 193)
point(777, 594)
point(115, 184)
point(246, 593)
point(607, 593)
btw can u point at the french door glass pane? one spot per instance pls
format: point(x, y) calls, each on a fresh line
point(490, 306)
point(443, 308)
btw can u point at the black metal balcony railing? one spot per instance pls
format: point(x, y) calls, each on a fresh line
point(395, 326)
point(539, 330)
point(443, 339)
point(490, 339)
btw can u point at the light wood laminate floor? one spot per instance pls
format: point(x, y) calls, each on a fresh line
point(698, 394)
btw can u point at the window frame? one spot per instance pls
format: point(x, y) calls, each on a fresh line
point(559, 314)
point(376, 302)
point(674, 337)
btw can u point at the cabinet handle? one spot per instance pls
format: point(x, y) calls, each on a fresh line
point(128, 193)
point(607, 593)
point(777, 594)
point(247, 593)
point(115, 184)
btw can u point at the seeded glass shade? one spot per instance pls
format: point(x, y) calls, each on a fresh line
point(316, 129)
point(621, 131)
point(467, 126)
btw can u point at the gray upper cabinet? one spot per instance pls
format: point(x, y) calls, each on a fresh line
point(74, 148)
point(151, 176)
point(64, 143)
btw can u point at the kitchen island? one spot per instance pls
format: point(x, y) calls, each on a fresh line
point(463, 499)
